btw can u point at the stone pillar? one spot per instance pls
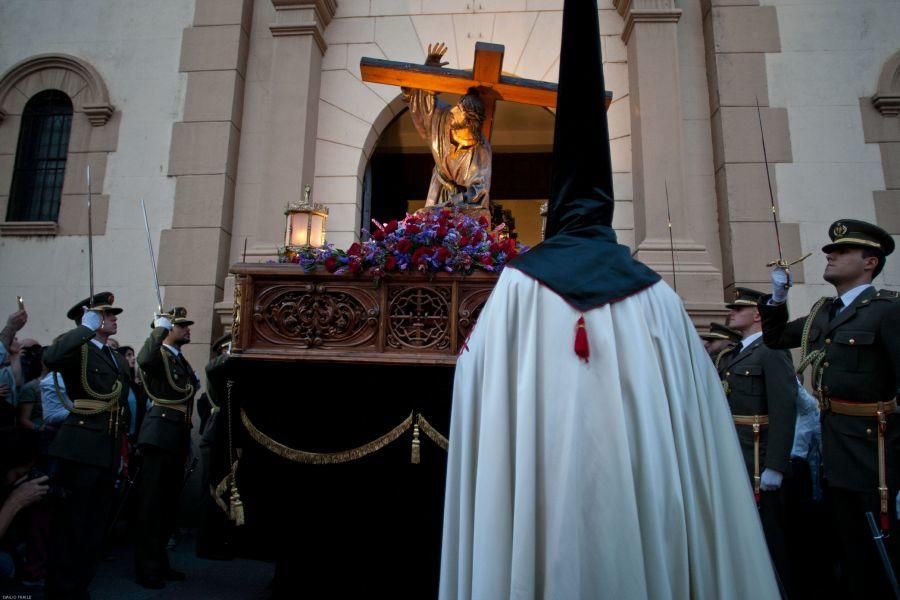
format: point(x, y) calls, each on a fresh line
point(737, 39)
point(299, 44)
point(193, 254)
point(657, 138)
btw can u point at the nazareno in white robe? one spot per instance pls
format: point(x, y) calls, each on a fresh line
point(618, 478)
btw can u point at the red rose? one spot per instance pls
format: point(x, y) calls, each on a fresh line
point(509, 245)
point(354, 266)
point(412, 229)
point(446, 212)
point(391, 226)
point(512, 254)
point(463, 241)
point(331, 264)
point(390, 263)
point(404, 245)
point(495, 247)
point(441, 232)
point(378, 235)
point(354, 250)
point(482, 220)
point(476, 239)
point(487, 260)
point(418, 257)
point(442, 254)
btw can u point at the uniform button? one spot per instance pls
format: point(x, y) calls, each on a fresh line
point(746, 372)
point(727, 374)
point(164, 414)
point(827, 340)
point(868, 431)
point(826, 364)
point(852, 341)
point(81, 422)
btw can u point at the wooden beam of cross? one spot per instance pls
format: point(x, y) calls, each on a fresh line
point(486, 76)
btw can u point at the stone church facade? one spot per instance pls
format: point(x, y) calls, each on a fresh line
point(219, 112)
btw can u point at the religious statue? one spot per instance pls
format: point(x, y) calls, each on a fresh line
point(462, 156)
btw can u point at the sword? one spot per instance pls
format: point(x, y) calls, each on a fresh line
point(90, 240)
point(878, 537)
point(671, 241)
point(780, 262)
point(152, 257)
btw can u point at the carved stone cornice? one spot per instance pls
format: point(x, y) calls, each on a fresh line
point(303, 17)
point(645, 11)
point(887, 97)
point(324, 9)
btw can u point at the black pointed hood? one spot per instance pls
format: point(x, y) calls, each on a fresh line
point(580, 259)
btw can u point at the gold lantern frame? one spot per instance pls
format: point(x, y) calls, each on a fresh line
point(300, 218)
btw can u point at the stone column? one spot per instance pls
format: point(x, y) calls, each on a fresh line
point(299, 44)
point(738, 36)
point(193, 254)
point(657, 138)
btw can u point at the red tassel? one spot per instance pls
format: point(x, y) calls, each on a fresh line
point(582, 349)
point(885, 523)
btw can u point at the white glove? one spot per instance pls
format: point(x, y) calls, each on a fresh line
point(770, 480)
point(781, 282)
point(91, 319)
point(162, 321)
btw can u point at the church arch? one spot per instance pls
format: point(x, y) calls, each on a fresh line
point(353, 114)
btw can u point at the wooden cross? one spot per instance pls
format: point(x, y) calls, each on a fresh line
point(486, 76)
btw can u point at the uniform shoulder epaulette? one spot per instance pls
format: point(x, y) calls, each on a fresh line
point(890, 295)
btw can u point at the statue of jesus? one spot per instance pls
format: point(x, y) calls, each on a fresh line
point(462, 170)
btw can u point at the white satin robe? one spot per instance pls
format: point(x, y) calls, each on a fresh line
point(619, 479)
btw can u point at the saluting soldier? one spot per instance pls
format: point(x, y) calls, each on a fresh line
point(762, 392)
point(719, 340)
point(164, 442)
point(852, 343)
point(89, 444)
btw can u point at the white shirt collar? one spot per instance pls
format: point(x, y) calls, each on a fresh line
point(98, 343)
point(174, 350)
point(749, 340)
point(850, 295)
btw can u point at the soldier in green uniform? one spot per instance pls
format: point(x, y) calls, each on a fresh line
point(762, 393)
point(164, 442)
point(215, 536)
point(89, 444)
point(852, 343)
point(719, 340)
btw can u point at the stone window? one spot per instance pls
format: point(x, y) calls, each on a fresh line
point(40, 158)
point(55, 119)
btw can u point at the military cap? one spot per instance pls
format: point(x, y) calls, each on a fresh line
point(102, 301)
point(745, 297)
point(717, 331)
point(178, 315)
point(859, 234)
point(216, 345)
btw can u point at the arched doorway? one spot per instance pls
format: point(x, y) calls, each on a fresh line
point(398, 173)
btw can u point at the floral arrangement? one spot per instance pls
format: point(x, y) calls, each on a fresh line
point(443, 240)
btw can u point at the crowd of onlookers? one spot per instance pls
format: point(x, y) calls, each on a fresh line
point(33, 404)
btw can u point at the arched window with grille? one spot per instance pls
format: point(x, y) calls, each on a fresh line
point(41, 158)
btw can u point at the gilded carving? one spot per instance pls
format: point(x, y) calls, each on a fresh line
point(315, 316)
point(419, 317)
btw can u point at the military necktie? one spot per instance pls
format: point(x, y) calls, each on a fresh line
point(836, 306)
point(109, 354)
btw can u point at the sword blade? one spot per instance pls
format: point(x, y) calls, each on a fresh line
point(152, 256)
point(762, 136)
point(671, 240)
point(90, 239)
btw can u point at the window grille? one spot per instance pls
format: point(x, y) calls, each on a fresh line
point(41, 158)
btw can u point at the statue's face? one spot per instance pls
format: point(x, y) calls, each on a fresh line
point(458, 118)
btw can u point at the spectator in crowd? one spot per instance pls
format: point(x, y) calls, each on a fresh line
point(30, 411)
point(19, 491)
point(137, 397)
point(10, 366)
